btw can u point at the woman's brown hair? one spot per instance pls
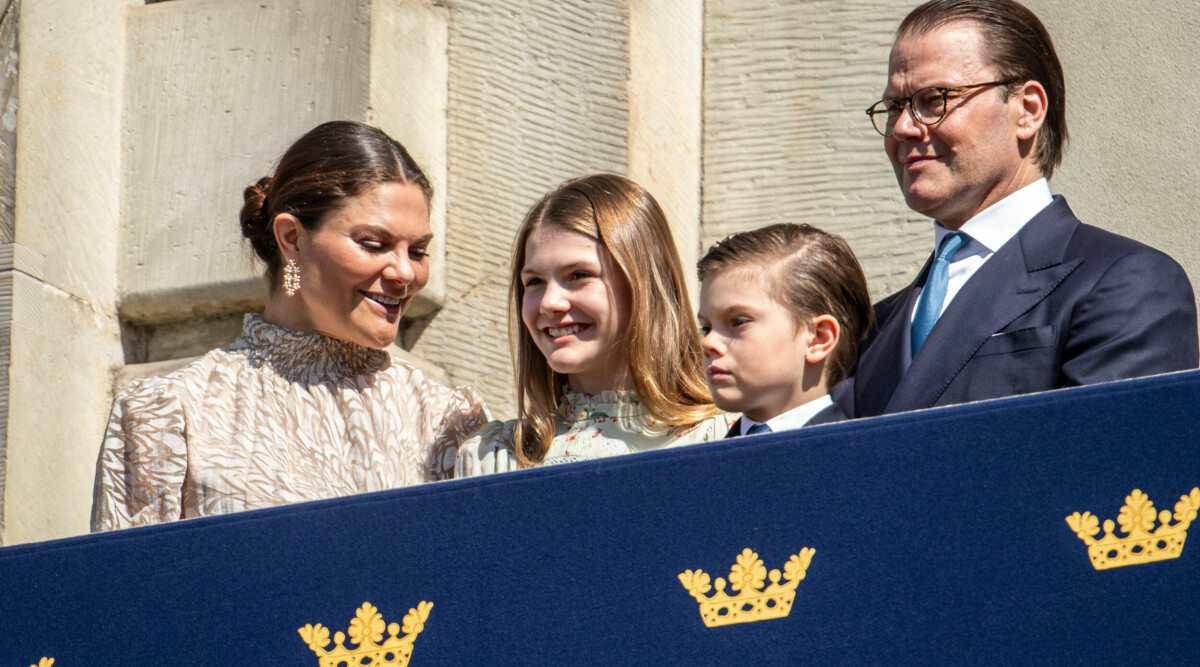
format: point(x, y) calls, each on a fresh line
point(661, 343)
point(331, 163)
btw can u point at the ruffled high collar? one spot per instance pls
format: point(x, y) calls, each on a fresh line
point(306, 357)
point(622, 407)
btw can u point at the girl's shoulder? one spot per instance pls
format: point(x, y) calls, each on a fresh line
point(706, 430)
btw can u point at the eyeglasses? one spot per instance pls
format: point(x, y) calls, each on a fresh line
point(927, 106)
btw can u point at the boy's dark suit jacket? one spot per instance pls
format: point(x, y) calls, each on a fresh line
point(1061, 304)
point(828, 415)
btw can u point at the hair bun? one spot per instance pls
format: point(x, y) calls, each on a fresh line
point(256, 219)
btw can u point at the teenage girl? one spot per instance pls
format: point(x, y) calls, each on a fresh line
point(608, 358)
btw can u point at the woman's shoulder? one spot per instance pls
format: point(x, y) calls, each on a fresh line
point(172, 379)
point(489, 451)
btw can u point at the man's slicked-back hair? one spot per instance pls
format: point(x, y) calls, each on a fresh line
point(1018, 47)
point(810, 273)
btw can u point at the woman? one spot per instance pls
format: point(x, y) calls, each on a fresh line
point(305, 404)
point(608, 355)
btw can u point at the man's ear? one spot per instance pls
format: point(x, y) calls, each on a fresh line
point(288, 231)
point(823, 332)
point(1032, 97)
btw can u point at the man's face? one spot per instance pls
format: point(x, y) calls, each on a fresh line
point(972, 158)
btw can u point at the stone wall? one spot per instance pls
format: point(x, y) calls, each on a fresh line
point(64, 338)
point(139, 124)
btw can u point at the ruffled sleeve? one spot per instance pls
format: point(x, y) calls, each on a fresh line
point(143, 459)
point(488, 452)
point(706, 430)
point(465, 414)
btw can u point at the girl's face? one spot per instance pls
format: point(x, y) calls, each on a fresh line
point(576, 308)
point(361, 268)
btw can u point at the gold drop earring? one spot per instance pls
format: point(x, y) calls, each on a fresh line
point(291, 277)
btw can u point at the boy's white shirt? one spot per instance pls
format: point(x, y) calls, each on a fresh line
point(794, 418)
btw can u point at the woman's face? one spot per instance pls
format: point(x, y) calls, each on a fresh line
point(576, 308)
point(363, 266)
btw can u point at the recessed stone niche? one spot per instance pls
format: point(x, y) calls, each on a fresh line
point(215, 92)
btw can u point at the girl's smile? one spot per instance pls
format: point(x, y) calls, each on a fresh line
point(576, 308)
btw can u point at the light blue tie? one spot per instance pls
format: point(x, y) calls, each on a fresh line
point(758, 428)
point(929, 307)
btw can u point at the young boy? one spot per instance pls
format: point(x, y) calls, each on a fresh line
point(782, 310)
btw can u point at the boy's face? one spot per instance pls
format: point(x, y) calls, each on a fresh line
point(754, 354)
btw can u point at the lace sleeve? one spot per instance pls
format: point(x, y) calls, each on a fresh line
point(143, 459)
point(465, 414)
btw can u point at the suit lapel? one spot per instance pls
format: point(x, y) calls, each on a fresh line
point(828, 415)
point(1015, 279)
point(735, 430)
point(886, 360)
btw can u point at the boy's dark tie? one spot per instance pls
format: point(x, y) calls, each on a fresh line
point(758, 428)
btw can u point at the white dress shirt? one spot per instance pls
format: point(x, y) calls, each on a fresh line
point(990, 229)
point(794, 418)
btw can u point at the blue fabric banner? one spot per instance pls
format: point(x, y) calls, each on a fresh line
point(932, 537)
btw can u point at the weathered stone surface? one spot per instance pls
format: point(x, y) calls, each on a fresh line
point(666, 81)
point(59, 325)
point(537, 95)
point(1131, 165)
point(10, 11)
point(69, 152)
point(785, 136)
point(57, 405)
point(215, 92)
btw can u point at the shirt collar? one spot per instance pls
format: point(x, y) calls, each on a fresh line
point(794, 418)
point(995, 225)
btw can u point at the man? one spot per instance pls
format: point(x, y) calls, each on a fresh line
point(1019, 296)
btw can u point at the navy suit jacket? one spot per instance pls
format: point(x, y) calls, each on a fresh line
point(1060, 304)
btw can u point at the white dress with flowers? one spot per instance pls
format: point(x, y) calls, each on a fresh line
point(588, 427)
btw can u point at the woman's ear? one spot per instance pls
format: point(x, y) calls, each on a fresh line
point(288, 231)
point(823, 332)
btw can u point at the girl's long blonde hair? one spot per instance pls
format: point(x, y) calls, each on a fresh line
point(661, 342)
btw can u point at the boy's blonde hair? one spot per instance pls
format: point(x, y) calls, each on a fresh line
point(661, 343)
point(809, 272)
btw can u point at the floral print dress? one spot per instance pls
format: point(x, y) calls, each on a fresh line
point(589, 426)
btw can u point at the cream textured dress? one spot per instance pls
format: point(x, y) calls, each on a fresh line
point(278, 417)
point(588, 427)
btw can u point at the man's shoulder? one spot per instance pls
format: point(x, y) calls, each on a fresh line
point(1099, 240)
point(1099, 247)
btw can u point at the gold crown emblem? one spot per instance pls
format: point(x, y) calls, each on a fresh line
point(366, 630)
point(751, 602)
point(44, 662)
point(1141, 544)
